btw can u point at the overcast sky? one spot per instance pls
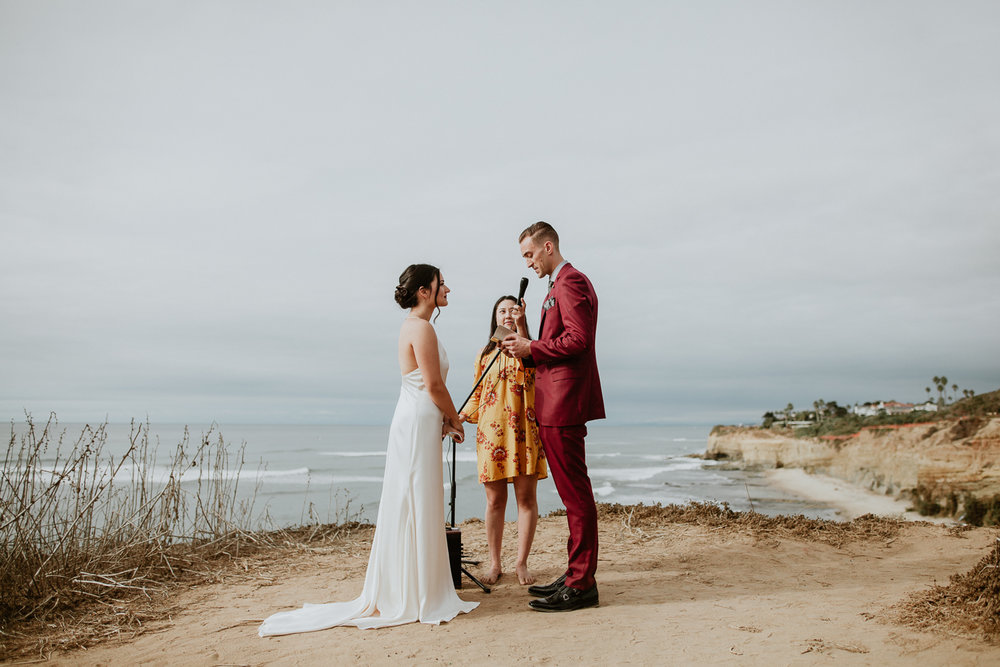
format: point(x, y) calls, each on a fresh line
point(205, 206)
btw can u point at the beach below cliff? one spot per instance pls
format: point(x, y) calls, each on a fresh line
point(693, 584)
point(848, 500)
point(938, 465)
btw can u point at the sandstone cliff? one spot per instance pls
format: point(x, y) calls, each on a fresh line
point(936, 460)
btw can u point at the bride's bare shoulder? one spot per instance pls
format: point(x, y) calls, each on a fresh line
point(417, 329)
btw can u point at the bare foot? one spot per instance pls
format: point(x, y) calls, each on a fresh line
point(526, 578)
point(493, 576)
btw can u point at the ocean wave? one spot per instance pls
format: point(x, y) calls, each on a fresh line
point(263, 475)
point(636, 474)
point(604, 490)
point(292, 476)
point(319, 480)
point(161, 474)
point(675, 463)
point(351, 454)
point(336, 479)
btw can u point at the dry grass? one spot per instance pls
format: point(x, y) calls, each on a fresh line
point(92, 541)
point(647, 517)
point(126, 617)
point(969, 605)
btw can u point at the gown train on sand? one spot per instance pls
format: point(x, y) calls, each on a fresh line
point(408, 578)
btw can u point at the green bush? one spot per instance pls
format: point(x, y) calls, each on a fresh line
point(981, 511)
point(851, 424)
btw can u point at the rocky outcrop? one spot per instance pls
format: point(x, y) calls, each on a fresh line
point(763, 448)
point(939, 459)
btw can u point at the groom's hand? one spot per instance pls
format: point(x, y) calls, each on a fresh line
point(520, 322)
point(516, 346)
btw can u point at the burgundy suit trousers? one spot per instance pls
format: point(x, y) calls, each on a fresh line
point(564, 451)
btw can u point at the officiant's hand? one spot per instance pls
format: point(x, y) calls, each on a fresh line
point(516, 346)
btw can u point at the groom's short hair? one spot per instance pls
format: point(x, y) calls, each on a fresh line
point(542, 232)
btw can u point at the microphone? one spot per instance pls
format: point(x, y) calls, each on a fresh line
point(520, 293)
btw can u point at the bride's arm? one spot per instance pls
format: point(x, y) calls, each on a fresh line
point(425, 350)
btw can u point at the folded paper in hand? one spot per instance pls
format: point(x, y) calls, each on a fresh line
point(500, 333)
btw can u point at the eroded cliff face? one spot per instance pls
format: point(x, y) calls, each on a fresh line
point(941, 458)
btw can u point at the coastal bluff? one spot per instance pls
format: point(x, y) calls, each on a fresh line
point(934, 462)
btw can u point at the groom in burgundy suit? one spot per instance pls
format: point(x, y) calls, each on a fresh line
point(567, 396)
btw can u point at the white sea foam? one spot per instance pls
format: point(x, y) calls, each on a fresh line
point(676, 463)
point(320, 479)
point(343, 479)
point(638, 474)
point(161, 474)
point(604, 490)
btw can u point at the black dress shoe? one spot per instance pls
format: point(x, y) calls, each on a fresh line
point(567, 599)
point(545, 591)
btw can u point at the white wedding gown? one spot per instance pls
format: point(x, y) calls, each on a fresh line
point(408, 578)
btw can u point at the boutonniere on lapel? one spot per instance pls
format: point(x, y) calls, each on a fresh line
point(551, 301)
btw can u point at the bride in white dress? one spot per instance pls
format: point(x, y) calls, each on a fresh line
point(408, 578)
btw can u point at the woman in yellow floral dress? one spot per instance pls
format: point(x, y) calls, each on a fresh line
point(508, 449)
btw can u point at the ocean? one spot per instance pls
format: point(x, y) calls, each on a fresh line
point(332, 473)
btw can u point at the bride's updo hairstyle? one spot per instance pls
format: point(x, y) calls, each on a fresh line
point(412, 279)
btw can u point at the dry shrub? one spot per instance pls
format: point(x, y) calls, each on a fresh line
point(127, 616)
point(969, 605)
point(92, 541)
point(981, 511)
point(965, 427)
point(712, 515)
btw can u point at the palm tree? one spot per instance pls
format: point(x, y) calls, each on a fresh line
point(941, 383)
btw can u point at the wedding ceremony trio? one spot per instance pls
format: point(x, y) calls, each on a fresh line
point(408, 578)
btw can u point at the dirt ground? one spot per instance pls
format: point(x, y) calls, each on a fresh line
point(670, 593)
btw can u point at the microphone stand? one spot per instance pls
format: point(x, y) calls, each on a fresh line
point(520, 296)
point(464, 403)
point(454, 485)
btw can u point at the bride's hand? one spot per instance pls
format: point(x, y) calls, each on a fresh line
point(453, 429)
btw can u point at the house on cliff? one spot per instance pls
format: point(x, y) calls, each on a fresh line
point(891, 408)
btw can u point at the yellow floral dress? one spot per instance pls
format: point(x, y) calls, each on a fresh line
point(503, 409)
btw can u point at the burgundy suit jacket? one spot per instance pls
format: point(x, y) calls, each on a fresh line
point(567, 385)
